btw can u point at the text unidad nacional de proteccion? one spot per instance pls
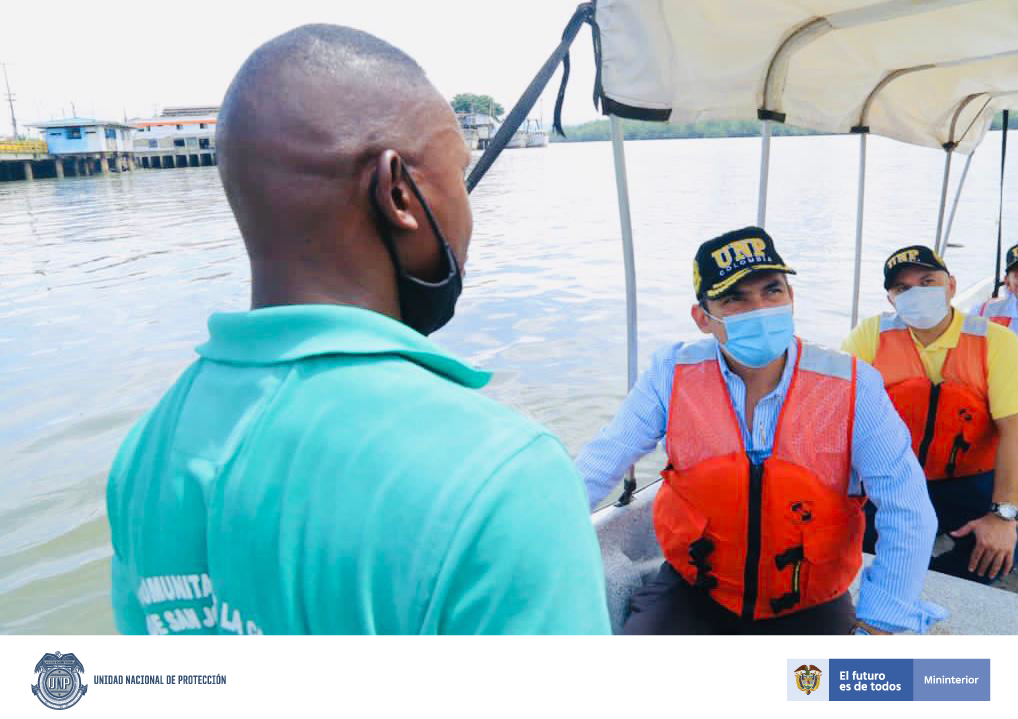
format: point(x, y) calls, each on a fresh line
point(159, 679)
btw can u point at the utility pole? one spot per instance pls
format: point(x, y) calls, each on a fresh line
point(10, 101)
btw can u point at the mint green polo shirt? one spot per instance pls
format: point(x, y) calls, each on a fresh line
point(325, 469)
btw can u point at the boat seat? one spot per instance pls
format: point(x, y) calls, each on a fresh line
point(632, 557)
point(629, 550)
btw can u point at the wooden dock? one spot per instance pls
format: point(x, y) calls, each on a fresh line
point(29, 160)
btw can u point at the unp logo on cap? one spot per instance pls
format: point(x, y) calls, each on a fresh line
point(747, 249)
point(59, 684)
point(909, 256)
point(722, 262)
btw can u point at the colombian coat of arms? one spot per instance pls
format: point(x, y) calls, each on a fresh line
point(807, 678)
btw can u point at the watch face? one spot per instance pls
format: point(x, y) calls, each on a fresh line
point(1007, 511)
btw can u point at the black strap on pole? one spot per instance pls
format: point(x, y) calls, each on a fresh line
point(584, 15)
point(998, 280)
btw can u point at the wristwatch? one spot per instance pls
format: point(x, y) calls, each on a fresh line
point(1005, 510)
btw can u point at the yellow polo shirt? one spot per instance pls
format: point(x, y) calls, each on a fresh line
point(1002, 357)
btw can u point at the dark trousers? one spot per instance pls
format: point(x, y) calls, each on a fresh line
point(669, 605)
point(956, 502)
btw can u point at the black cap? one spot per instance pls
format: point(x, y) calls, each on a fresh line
point(1012, 258)
point(918, 255)
point(723, 261)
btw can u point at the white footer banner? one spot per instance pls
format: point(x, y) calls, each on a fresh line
point(620, 677)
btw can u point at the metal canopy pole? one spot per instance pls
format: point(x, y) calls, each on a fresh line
point(954, 205)
point(625, 220)
point(943, 196)
point(997, 279)
point(765, 166)
point(860, 202)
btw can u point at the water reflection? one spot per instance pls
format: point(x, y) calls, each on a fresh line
point(106, 283)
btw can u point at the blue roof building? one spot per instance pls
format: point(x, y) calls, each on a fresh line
point(86, 136)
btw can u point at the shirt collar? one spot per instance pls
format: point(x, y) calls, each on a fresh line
point(948, 339)
point(276, 335)
point(786, 374)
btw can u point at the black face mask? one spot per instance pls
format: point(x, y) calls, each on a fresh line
point(424, 306)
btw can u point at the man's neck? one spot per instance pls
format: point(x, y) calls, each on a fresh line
point(928, 337)
point(759, 381)
point(278, 282)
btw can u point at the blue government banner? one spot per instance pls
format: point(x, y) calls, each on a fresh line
point(871, 680)
point(883, 680)
point(951, 680)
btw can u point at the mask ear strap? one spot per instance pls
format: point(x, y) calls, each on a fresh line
point(443, 245)
point(383, 227)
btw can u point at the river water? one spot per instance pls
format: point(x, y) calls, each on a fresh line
point(106, 283)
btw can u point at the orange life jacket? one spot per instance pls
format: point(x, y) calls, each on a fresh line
point(998, 311)
point(953, 433)
point(770, 539)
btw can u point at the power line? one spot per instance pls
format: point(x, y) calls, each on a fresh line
point(10, 100)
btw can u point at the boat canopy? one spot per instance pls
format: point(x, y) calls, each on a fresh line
point(926, 72)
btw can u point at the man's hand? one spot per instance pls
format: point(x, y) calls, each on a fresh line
point(995, 540)
point(866, 629)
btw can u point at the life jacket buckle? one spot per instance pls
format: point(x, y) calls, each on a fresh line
point(952, 461)
point(785, 602)
point(699, 550)
point(791, 556)
point(794, 557)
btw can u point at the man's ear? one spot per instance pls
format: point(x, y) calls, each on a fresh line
point(952, 287)
point(700, 318)
point(392, 196)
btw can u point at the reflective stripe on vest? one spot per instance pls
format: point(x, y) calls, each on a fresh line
point(953, 433)
point(770, 539)
point(998, 311)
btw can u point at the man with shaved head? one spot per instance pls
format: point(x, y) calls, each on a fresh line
point(323, 467)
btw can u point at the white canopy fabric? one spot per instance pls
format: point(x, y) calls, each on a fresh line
point(927, 72)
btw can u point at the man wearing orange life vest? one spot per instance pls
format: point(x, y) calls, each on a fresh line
point(953, 379)
point(1004, 310)
point(769, 441)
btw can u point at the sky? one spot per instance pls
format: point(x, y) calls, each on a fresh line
point(112, 59)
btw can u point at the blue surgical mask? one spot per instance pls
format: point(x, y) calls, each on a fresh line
point(922, 307)
point(757, 338)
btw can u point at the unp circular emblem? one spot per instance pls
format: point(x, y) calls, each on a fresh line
point(59, 684)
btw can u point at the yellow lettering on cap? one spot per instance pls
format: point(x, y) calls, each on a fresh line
point(696, 278)
point(740, 251)
point(903, 257)
point(723, 257)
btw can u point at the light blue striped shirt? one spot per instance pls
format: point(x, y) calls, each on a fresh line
point(1010, 309)
point(882, 461)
